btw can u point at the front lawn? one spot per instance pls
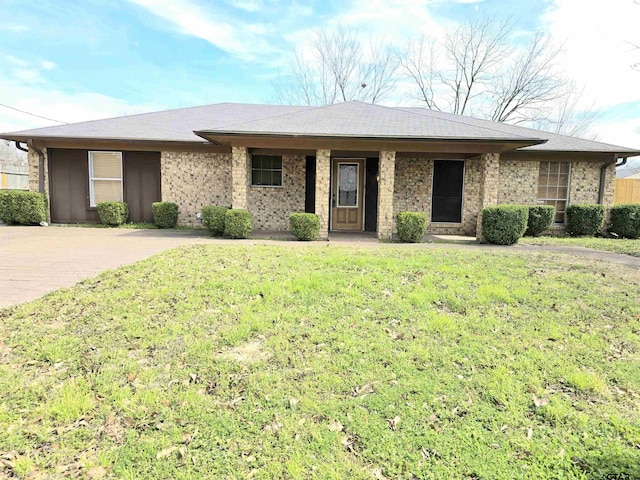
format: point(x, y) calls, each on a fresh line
point(616, 245)
point(327, 362)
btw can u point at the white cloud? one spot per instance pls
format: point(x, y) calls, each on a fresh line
point(226, 33)
point(14, 28)
point(48, 64)
point(597, 53)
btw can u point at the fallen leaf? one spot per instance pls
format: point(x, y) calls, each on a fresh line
point(96, 472)
point(363, 391)
point(335, 426)
point(166, 452)
point(377, 474)
point(540, 402)
point(393, 422)
point(293, 402)
point(529, 433)
point(131, 377)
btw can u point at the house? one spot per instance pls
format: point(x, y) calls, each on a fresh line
point(354, 164)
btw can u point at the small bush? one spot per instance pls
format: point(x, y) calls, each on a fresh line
point(625, 220)
point(504, 224)
point(23, 207)
point(213, 219)
point(584, 219)
point(540, 219)
point(113, 213)
point(165, 214)
point(411, 226)
point(305, 226)
point(237, 223)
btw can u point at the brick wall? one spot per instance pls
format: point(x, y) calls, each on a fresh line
point(323, 173)
point(386, 220)
point(518, 182)
point(271, 206)
point(193, 180)
point(33, 164)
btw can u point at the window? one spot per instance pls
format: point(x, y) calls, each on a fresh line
point(266, 171)
point(553, 186)
point(446, 202)
point(105, 177)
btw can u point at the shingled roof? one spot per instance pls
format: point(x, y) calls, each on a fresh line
point(345, 120)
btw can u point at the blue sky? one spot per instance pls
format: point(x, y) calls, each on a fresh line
point(78, 60)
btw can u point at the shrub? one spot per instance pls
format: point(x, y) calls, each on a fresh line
point(305, 226)
point(540, 219)
point(625, 220)
point(237, 223)
point(165, 214)
point(504, 224)
point(213, 219)
point(113, 213)
point(411, 226)
point(584, 219)
point(22, 206)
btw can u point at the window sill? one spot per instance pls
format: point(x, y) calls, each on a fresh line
point(266, 186)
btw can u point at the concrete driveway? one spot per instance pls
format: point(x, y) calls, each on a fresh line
point(38, 260)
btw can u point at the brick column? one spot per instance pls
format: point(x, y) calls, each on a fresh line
point(33, 163)
point(387, 172)
point(489, 185)
point(323, 188)
point(239, 177)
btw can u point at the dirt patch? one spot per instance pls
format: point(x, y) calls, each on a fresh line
point(246, 353)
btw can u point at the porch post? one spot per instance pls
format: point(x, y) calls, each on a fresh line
point(385, 194)
point(323, 187)
point(239, 177)
point(489, 185)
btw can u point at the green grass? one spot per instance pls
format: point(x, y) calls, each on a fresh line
point(616, 245)
point(327, 362)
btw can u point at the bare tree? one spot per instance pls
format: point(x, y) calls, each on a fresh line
point(472, 52)
point(339, 68)
point(566, 117)
point(11, 156)
point(418, 62)
point(477, 70)
point(530, 83)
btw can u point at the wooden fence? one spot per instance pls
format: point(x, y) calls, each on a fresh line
point(627, 190)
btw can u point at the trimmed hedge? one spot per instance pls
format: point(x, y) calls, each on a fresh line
point(540, 219)
point(23, 207)
point(411, 226)
point(165, 214)
point(625, 220)
point(213, 219)
point(237, 223)
point(113, 213)
point(584, 219)
point(305, 226)
point(504, 224)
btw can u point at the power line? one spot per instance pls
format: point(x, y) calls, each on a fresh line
point(32, 114)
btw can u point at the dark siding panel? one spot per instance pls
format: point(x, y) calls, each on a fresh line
point(310, 186)
point(371, 196)
point(141, 184)
point(69, 186)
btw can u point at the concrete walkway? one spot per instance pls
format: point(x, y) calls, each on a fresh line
point(36, 260)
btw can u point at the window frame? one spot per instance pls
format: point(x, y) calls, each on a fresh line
point(543, 201)
point(92, 203)
point(271, 170)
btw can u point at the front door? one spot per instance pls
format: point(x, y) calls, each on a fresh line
point(347, 194)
